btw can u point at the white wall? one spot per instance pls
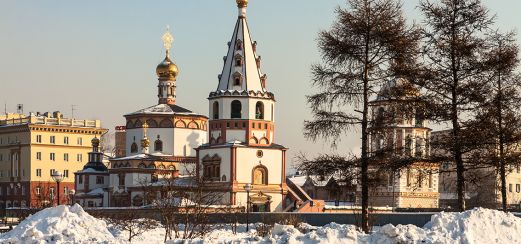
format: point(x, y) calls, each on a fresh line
point(224, 153)
point(247, 160)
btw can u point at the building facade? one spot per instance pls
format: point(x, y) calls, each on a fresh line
point(32, 148)
point(398, 129)
point(242, 148)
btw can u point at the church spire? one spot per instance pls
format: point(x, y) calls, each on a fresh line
point(167, 72)
point(241, 71)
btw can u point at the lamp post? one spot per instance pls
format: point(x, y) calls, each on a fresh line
point(71, 196)
point(57, 177)
point(247, 188)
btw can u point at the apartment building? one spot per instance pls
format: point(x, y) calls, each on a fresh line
point(33, 147)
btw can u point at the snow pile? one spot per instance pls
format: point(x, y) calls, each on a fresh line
point(478, 225)
point(69, 224)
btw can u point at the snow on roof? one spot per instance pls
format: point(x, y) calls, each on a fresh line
point(298, 180)
point(163, 109)
point(90, 170)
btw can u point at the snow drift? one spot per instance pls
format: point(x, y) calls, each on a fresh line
point(61, 224)
point(64, 224)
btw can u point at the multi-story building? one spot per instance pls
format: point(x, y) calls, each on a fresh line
point(33, 147)
point(399, 130)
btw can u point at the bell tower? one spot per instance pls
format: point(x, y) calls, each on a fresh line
point(241, 108)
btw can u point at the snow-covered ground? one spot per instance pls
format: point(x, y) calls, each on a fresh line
point(65, 224)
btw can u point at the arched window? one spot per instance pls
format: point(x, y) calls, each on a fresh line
point(260, 175)
point(152, 123)
point(379, 120)
point(158, 145)
point(238, 45)
point(133, 148)
point(216, 110)
point(238, 60)
point(237, 78)
point(236, 109)
point(259, 110)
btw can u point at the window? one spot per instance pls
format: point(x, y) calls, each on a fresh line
point(238, 60)
point(133, 148)
point(66, 173)
point(66, 190)
point(430, 180)
point(66, 140)
point(39, 138)
point(121, 179)
point(52, 156)
point(236, 107)
point(39, 172)
point(510, 187)
point(53, 140)
point(39, 155)
point(51, 171)
point(158, 145)
point(79, 157)
point(260, 176)
point(216, 110)
point(51, 191)
point(1, 193)
point(79, 141)
point(518, 188)
point(23, 190)
point(237, 81)
point(408, 146)
point(212, 168)
point(38, 190)
point(99, 180)
point(259, 110)
point(80, 179)
point(66, 157)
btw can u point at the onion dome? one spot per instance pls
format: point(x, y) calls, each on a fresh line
point(398, 88)
point(95, 142)
point(167, 69)
point(242, 3)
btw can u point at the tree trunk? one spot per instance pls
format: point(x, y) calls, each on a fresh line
point(364, 156)
point(502, 171)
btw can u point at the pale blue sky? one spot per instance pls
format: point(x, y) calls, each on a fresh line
point(101, 55)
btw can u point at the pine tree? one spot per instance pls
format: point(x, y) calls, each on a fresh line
point(368, 44)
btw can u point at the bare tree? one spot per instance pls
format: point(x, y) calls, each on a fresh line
point(499, 117)
point(368, 44)
point(454, 40)
point(130, 221)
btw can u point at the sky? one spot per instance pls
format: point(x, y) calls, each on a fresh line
point(100, 56)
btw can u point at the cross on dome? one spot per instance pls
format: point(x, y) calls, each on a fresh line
point(168, 39)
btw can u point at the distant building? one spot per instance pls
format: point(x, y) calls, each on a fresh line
point(33, 147)
point(398, 128)
point(482, 184)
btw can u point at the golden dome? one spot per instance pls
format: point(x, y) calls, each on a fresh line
point(167, 69)
point(242, 3)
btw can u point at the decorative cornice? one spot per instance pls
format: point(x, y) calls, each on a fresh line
point(243, 93)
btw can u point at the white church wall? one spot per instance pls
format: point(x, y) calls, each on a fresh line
point(92, 181)
point(252, 103)
point(226, 107)
point(186, 140)
point(247, 160)
point(224, 153)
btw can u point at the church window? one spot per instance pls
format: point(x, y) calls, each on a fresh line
point(430, 180)
point(260, 153)
point(212, 168)
point(152, 123)
point(100, 180)
point(158, 145)
point(216, 110)
point(243, 124)
point(420, 180)
point(236, 109)
point(166, 123)
point(238, 60)
point(236, 125)
point(80, 179)
point(419, 118)
point(237, 81)
point(259, 110)
point(133, 148)
point(408, 145)
point(409, 177)
point(227, 124)
point(239, 45)
point(379, 120)
point(223, 178)
point(260, 175)
point(121, 178)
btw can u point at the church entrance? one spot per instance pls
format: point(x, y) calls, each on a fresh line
point(260, 202)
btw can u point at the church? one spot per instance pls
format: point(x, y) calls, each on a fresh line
point(233, 150)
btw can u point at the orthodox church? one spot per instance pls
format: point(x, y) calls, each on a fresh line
point(242, 151)
point(234, 150)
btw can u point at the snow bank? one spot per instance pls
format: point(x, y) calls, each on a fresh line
point(61, 224)
point(474, 226)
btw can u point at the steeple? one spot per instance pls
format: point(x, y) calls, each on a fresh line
point(241, 69)
point(95, 157)
point(167, 72)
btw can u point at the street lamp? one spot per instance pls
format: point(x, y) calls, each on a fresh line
point(247, 188)
point(57, 177)
point(71, 196)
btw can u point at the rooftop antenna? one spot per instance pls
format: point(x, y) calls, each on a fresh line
point(73, 108)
